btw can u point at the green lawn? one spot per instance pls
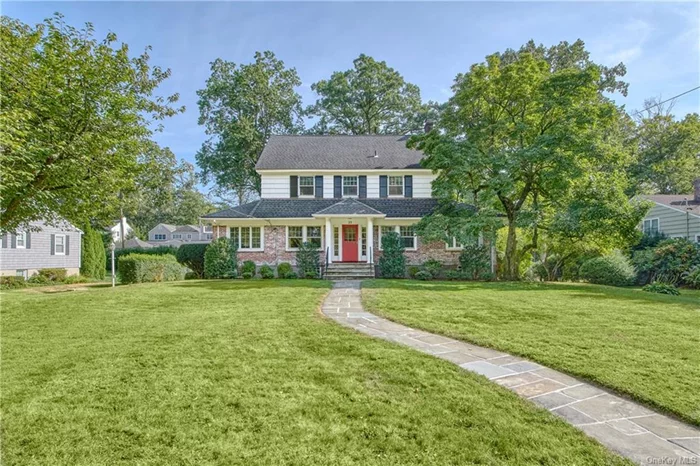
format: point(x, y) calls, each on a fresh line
point(245, 372)
point(640, 344)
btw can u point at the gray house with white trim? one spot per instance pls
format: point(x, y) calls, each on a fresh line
point(41, 246)
point(674, 215)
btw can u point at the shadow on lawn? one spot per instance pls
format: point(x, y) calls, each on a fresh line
point(253, 284)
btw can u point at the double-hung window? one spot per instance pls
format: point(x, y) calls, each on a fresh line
point(247, 238)
point(60, 245)
point(406, 234)
point(651, 226)
point(296, 236)
point(396, 186)
point(349, 186)
point(21, 240)
point(159, 237)
point(177, 236)
point(306, 186)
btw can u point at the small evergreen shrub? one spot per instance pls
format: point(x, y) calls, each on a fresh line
point(424, 275)
point(454, 275)
point(248, 268)
point(247, 275)
point(692, 277)
point(266, 272)
point(433, 266)
point(284, 269)
point(94, 257)
point(192, 257)
point(614, 269)
point(474, 261)
point(141, 268)
point(54, 275)
point(11, 283)
point(308, 260)
point(392, 263)
point(413, 270)
point(220, 259)
point(291, 275)
point(662, 288)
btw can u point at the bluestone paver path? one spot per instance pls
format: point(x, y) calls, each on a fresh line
point(628, 428)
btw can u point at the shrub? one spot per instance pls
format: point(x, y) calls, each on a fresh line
point(94, 257)
point(37, 279)
point(11, 283)
point(192, 257)
point(247, 275)
point(454, 275)
point(157, 251)
point(266, 272)
point(308, 261)
point(284, 269)
point(474, 260)
point(424, 275)
point(220, 259)
point(692, 277)
point(54, 275)
point(662, 288)
point(290, 275)
point(248, 268)
point(191, 275)
point(614, 269)
point(669, 260)
point(140, 268)
point(433, 267)
point(392, 263)
point(73, 279)
point(412, 271)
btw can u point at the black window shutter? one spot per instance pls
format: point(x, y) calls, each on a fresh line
point(408, 186)
point(337, 186)
point(293, 186)
point(363, 186)
point(53, 245)
point(319, 186)
point(383, 186)
point(67, 246)
point(13, 241)
point(28, 240)
point(5, 241)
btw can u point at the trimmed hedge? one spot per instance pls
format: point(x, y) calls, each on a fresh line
point(53, 275)
point(157, 251)
point(192, 257)
point(140, 268)
point(94, 257)
point(220, 260)
point(284, 270)
point(614, 269)
point(266, 272)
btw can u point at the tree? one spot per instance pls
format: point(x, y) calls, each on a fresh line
point(519, 136)
point(241, 107)
point(75, 114)
point(94, 257)
point(392, 262)
point(220, 260)
point(371, 98)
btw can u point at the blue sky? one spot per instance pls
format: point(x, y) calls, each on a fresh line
point(428, 43)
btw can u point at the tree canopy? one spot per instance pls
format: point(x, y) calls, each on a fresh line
point(76, 113)
point(241, 106)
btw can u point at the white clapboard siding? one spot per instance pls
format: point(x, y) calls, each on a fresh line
point(274, 186)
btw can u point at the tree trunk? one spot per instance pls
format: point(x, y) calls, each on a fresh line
point(512, 271)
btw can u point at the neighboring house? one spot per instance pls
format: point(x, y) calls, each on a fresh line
point(674, 215)
point(116, 230)
point(133, 243)
point(41, 246)
point(341, 193)
point(164, 232)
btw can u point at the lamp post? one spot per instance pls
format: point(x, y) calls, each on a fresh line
point(112, 246)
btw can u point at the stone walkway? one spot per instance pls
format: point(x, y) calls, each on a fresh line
point(628, 428)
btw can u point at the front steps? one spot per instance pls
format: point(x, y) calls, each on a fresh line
point(349, 271)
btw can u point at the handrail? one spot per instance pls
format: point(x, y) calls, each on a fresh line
point(325, 269)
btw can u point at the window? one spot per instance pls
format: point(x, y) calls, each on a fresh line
point(697, 238)
point(209, 236)
point(364, 242)
point(396, 186)
point(159, 237)
point(296, 236)
point(336, 240)
point(189, 235)
point(651, 226)
point(177, 236)
point(313, 236)
point(206, 229)
point(407, 234)
point(246, 238)
point(60, 245)
point(306, 186)
point(349, 186)
point(454, 244)
point(21, 240)
point(116, 234)
point(24, 273)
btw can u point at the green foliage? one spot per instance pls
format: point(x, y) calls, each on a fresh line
point(649, 241)
point(668, 261)
point(371, 98)
point(220, 260)
point(692, 277)
point(266, 272)
point(614, 269)
point(76, 112)
point(191, 275)
point(73, 279)
point(284, 270)
point(192, 257)
point(247, 275)
point(392, 263)
point(413, 270)
point(141, 268)
point(240, 107)
point(94, 257)
point(454, 275)
point(433, 266)
point(54, 275)
point(308, 260)
point(248, 267)
point(661, 288)
point(10, 282)
point(424, 275)
point(156, 251)
point(474, 261)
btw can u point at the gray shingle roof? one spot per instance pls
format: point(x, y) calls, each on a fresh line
point(338, 153)
point(349, 207)
point(682, 202)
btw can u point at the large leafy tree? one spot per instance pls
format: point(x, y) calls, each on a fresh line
point(519, 137)
point(370, 98)
point(75, 114)
point(241, 107)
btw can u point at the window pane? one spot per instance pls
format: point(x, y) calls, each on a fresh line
point(313, 236)
point(245, 237)
point(59, 244)
point(255, 237)
point(407, 237)
point(21, 237)
point(396, 186)
point(336, 239)
point(235, 236)
point(349, 186)
point(364, 241)
point(295, 237)
point(306, 185)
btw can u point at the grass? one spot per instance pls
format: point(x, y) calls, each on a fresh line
point(644, 345)
point(246, 372)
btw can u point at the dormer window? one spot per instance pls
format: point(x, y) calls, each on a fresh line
point(349, 186)
point(306, 186)
point(396, 186)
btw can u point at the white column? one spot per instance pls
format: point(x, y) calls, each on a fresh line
point(370, 239)
point(329, 240)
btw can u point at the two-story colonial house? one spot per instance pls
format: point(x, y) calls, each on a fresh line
point(341, 193)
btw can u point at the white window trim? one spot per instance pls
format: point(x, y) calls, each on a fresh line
point(304, 235)
point(454, 245)
point(177, 236)
point(159, 237)
point(55, 245)
point(313, 187)
point(650, 220)
point(397, 229)
point(389, 185)
point(357, 186)
point(238, 246)
point(22, 235)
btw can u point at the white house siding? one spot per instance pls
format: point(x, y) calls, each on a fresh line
point(276, 185)
point(674, 223)
point(159, 230)
point(38, 255)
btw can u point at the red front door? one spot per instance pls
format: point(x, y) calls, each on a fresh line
point(350, 243)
